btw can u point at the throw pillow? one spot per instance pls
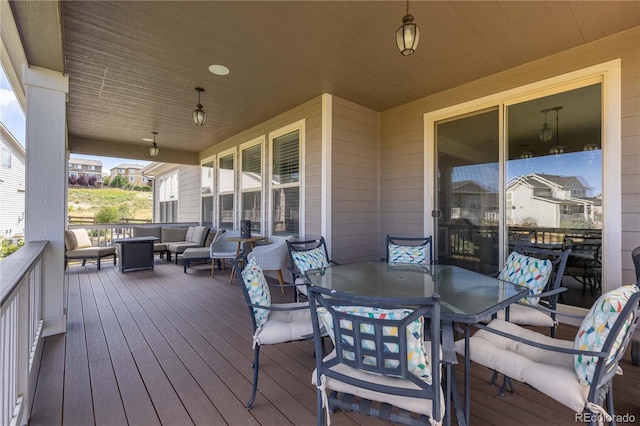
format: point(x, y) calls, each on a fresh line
point(528, 272)
point(258, 289)
point(407, 254)
point(310, 259)
point(595, 328)
point(418, 361)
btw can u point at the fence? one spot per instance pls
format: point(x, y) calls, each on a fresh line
point(84, 220)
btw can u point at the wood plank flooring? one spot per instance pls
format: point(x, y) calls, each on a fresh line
point(163, 347)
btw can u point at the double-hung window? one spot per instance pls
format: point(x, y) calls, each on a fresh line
point(251, 183)
point(285, 183)
point(168, 198)
point(226, 187)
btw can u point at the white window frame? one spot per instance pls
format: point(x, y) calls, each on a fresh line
point(214, 195)
point(300, 127)
point(264, 226)
point(172, 195)
point(609, 75)
point(234, 152)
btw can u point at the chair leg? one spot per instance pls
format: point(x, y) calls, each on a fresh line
point(98, 263)
point(494, 378)
point(281, 280)
point(185, 264)
point(213, 267)
point(256, 367)
point(506, 384)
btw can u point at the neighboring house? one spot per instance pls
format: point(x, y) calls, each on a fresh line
point(12, 186)
point(474, 202)
point(91, 170)
point(131, 172)
point(176, 192)
point(555, 201)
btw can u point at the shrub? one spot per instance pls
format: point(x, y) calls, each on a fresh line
point(7, 246)
point(107, 215)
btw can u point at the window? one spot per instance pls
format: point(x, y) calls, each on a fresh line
point(206, 193)
point(251, 185)
point(168, 198)
point(92, 167)
point(226, 187)
point(132, 178)
point(285, 184)
point(6, 158)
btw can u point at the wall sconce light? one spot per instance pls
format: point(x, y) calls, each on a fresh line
point(199, 116)
point(408, 35)
point(154, 150)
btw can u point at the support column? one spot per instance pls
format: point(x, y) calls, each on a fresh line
point(46, 183)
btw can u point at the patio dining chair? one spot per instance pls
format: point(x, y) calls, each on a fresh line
point(579, 373)
point(270, 323)
point(381, 359)
point(540, 270)
point(409, 250)
point(306, 255)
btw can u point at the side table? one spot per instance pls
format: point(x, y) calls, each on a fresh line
point(136, 253)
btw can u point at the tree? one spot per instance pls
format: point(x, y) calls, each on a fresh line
point(118, 182)
point(82, 180)
point(106, 181)
point(72, 180)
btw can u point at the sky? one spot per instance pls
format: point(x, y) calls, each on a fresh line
point(12, 117)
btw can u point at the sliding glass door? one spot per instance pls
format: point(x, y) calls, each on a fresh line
point(538, 182)
point(467, 209)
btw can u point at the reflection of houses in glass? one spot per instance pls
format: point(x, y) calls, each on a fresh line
point(552, 201)
point(473, 201)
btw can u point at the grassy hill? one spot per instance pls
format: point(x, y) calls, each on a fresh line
point(130, 204)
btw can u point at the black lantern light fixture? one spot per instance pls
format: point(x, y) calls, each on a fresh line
point(199, 116)
point(408, 35)
point(154, 150)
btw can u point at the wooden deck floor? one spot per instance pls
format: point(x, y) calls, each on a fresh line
point(164, 347)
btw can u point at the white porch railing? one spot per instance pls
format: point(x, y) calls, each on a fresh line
point(103, 235)
point(20, 330)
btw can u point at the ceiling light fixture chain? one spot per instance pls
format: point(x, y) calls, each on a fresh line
point(408, 35)
point(199, 115)
point(557, 148)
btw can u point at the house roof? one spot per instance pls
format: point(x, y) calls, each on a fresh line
point(86, 162)
point(128, 166)
point(133, 66)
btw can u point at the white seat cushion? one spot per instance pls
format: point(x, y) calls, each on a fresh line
point(415, 405)
point(525, 315)
point(285, 326)
point(552, 373)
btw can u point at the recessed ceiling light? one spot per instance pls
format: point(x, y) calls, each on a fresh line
point(219, 69)
point(147, 139)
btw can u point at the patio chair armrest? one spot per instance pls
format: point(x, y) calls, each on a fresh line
point(540, 345)
point(547, 293)
point(279, 308)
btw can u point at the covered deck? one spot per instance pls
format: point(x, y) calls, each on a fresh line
point(163, 347)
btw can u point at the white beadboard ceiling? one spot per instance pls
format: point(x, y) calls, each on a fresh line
point(133, 66)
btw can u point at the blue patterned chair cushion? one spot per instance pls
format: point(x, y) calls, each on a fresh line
point(418, 361)
point(310, 259)
point(408, 254)
point(259, 293)
point(528, 272)
point(595, 328)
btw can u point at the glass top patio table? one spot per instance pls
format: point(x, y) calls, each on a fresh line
point(465, 296)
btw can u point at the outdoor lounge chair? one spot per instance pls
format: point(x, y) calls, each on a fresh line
point(78, 246)
point(577, 373)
